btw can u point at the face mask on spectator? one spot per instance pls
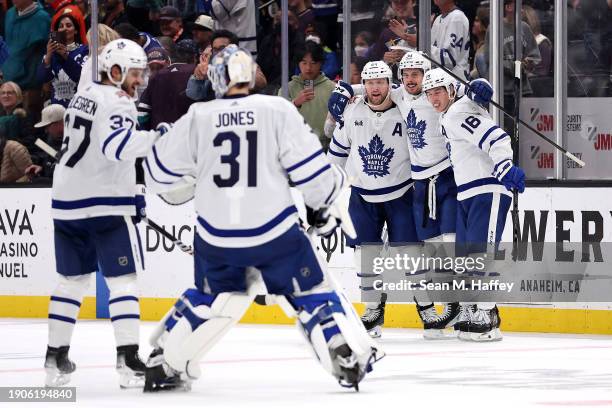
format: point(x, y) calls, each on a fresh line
point(361, 50)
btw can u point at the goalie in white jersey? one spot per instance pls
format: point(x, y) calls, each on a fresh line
point(94, 198)
point(242, 151)
point(481, 156)
point(372, 145)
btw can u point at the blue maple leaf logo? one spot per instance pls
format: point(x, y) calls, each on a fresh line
point(375, 158)
point(416, 130)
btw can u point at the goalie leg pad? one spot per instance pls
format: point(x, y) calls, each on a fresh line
point(336, 336)
point(199, 320)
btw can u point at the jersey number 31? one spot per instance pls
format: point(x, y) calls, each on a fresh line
point(231, 158)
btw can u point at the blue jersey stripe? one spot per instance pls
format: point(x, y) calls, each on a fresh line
point(65, 300)
point(338, 154)
point(498, 139)
point(250, 232)
point(384, 190)
point(335, 141)
point(91, 202)
point(146, 162)
point(125, 316)
point(315, 174)
point(62, 318)
point(110, 138)
point(477, 183)
point(122, 299)
point(498, 164)
point(122, 144)
point(162, 167)
point(487, 133)
point(303, 162)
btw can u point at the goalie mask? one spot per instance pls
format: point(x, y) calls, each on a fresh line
point(229, 67)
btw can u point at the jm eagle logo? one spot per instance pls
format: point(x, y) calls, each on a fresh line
point(376, 158)
point(416, 130)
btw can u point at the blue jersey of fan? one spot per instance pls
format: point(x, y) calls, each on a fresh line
point(373, 148)
point(243, 151)
point(96, 174)
point(478, 148)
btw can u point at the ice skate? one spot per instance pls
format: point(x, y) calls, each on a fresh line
point(435, 324)
point(130, 367)
point(373, 319)
point(58, 366)
point(483, 326)
point(347, 365)
point(159, 376)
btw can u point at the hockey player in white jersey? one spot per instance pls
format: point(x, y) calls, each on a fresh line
point(243, 150)
point(435, 192)
point(94, 198)
point(481, 156)
point(372, 144)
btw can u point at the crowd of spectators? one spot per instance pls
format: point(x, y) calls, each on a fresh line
point(45, 55)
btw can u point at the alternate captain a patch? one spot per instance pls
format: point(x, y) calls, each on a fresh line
point(416, 130)
point(375, 158)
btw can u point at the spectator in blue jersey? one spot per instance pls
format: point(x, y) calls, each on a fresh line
point(145, 40)
point(62, 63)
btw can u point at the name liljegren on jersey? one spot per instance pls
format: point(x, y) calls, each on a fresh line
point(84, 105)
point(375, 158)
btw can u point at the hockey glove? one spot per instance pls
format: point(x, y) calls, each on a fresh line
point(480, 91)
point(163, 128)
point(324, 223)
point(140, 202)
point(338, 100)
point(514, 178)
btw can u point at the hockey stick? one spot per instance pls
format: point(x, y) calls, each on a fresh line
point(516, 227)
point(182, 246)
point(510, 115)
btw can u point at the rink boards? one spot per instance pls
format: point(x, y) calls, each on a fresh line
point(27, 272)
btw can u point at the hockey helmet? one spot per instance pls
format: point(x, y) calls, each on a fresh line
point(231, 66)
point(125, 54)
point(413, 59)
point(438, 77)
point(376, 70)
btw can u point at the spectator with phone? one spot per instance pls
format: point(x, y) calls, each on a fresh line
point(310, 90)
point(63, 61)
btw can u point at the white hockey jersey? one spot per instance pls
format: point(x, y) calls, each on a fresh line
point(372, 147)
point(428, 154)
point(96, 173)
point(243, 152)
point(450, 42)
point(479, 150)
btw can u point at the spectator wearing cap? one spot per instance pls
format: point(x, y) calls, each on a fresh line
point(164, 99)
point(66, 8)
point(171, 24)
point(26, 51)
point(157, 59)
point(239, 17)
point(63, 61)
point(114, 13)
point(198, 86)
point(202, 31)
point(52, 122)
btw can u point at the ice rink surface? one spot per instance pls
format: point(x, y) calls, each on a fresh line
point(270, 366)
